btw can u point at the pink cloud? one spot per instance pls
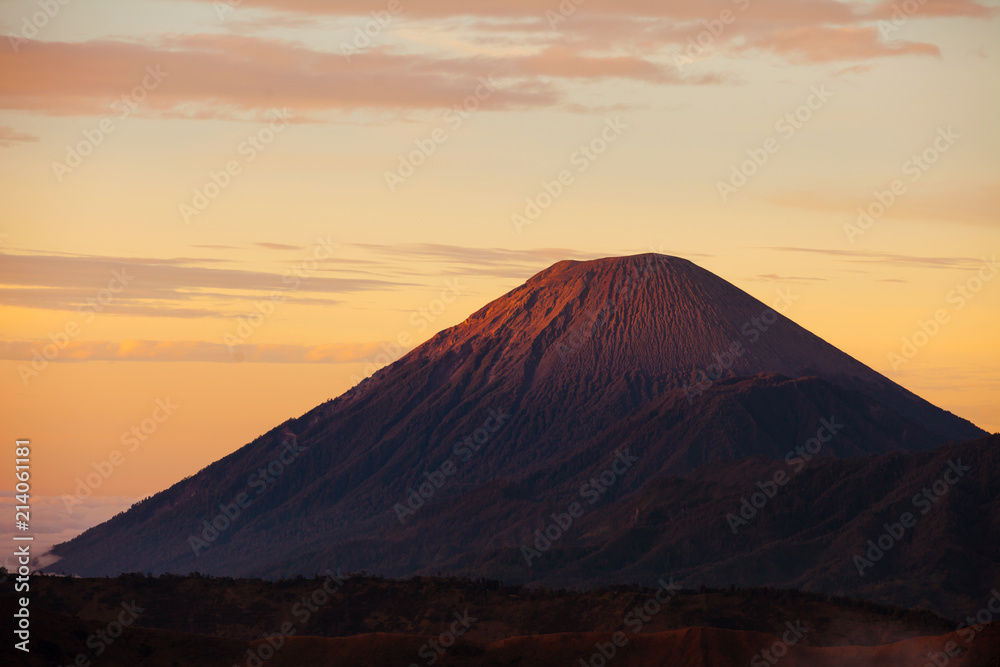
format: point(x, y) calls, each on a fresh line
point(239, 75)
point(935, 8)
point(205, 76)
point(505, 12)
point(824, 44)
point(678, 10)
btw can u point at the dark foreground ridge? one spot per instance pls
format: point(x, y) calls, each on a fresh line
point(360, 620)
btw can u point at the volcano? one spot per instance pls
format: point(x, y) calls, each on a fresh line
point(647, 366)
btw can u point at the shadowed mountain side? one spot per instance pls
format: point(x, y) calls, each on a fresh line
point(765, 415)
point(532, 395)
point(806, 536)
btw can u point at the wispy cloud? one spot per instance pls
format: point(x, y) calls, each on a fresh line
point(464, 260)
point(212, 76)
point(814, 10)
point(822, 44)
point(211, 287)
point(91, 271)
point(891, 259)
point(238, 74)
point(153, 350)
point(971, 204)
point(278, 246)
point(774, 277)
point(805, 32)
point(180, 287)
point(10, 137)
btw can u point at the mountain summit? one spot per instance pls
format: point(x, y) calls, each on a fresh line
point(652, 316)
point(645, 365)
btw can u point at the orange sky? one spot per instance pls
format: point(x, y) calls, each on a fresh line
point(240, 208)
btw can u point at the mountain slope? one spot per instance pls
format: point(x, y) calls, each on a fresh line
point(809, 535)
point(518, 406)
